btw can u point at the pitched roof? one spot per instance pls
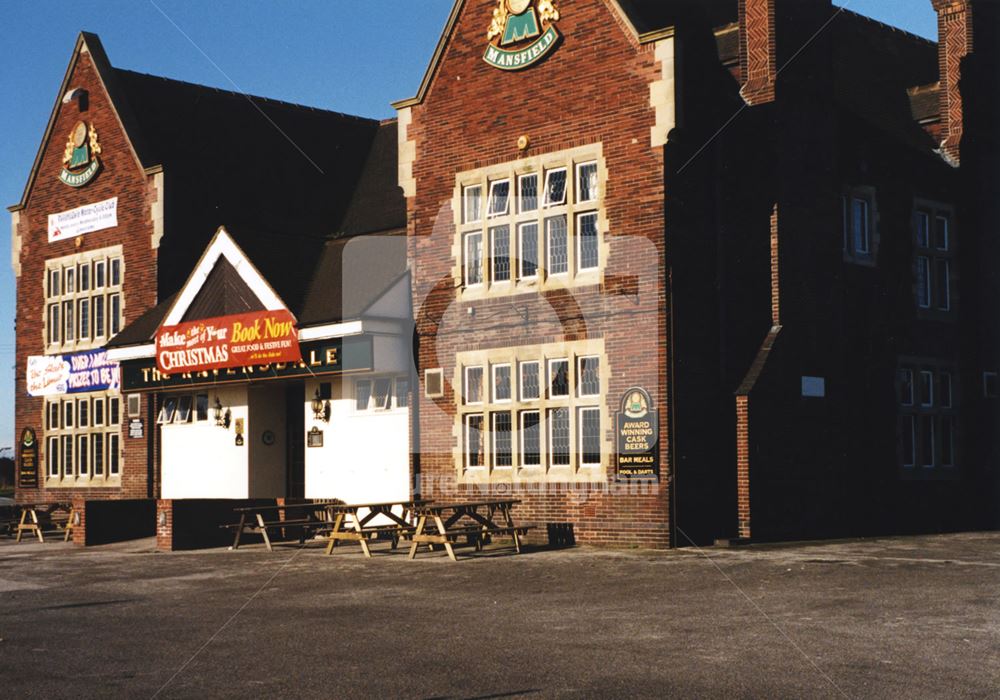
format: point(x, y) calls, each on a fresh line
point(320, 281)
point(351, 275)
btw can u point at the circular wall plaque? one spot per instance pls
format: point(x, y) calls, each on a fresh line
point(267, 437)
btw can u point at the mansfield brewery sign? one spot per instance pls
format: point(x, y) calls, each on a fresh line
point(637, 430)
point(521, 33)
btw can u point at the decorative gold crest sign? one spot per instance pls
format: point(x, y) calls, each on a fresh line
point(80, 162)
point(521, 33)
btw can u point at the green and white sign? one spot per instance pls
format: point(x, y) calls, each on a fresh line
point(521, 33)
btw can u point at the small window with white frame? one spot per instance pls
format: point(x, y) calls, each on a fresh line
point(501, 383)
point(502, 436)
point(933, 257)
point(362, 394)
point(928, 418)
point(183, 414)
point(499, 202)
point(473, 385)
point(991, 385)
point(530, 380)
point(558, 378)
point(472, 204)
point(473, 259)
point(527, 189)
point(555, 187)
point(500, 254)
point(587, 242)
point(588, 375)
point(556, 246)
point(474, 443)
point(586, 182)
point(858, 218)
point(167, 411)
point(382, 396)
point(527, 243)
point(530, 439)
point(589, 436)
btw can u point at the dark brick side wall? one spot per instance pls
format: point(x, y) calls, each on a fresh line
point(120, 176)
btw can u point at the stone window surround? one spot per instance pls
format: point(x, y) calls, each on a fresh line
point(115, 251)
point(108, 428)
point(866, 194)
point(546, 473)
point(512, 171)
point(933, 209)
point(911, 405)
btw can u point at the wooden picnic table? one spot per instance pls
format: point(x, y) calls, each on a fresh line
point(252, 520)
point(359, 528)
point(30, 521)
point(439, 523)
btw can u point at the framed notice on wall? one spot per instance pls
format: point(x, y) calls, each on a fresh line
point(27, 460)
point(637, 457)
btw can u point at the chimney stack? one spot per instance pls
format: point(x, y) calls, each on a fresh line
point(954, 44)
point(758, 57)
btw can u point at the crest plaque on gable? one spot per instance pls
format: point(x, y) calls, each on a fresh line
point(80, 162)
point(521, 33)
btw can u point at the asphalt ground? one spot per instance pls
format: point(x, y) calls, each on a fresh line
point(902, 617)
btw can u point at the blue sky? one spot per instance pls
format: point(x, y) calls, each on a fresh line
point(353, 57)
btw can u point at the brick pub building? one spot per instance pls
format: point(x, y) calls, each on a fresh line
point(680, 270)
point(769, 215)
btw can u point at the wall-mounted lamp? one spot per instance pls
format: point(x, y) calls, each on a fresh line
point(76, 518)
point(222, 416)
point(321, 408)
point(161, 518)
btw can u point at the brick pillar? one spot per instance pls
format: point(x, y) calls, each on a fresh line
point(165, 525)
point(954, 44)
point(743, 465)
point(79, 533)
point(758, 56)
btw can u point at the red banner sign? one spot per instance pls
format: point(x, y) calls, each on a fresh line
point(258, 338)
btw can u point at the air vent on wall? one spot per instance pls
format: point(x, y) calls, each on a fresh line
point(433, 383)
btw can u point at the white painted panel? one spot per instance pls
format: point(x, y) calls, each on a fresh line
point(365, 456)
point(393, 353)
point(201, 460)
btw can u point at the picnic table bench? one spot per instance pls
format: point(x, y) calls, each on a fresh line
point(443, 523)
point(34, 516)
point(359, 528)
point(304, 516)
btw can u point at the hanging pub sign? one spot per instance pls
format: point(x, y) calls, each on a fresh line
point(27, 460)
point(319, 357)
point(80, 163)
point(51, 375)
point(521, 33)
point(637, 430)
point(257, 338)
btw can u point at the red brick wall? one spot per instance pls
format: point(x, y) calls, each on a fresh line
point(120, 176)
point(593, 88)
point(758, 58)
point(955, 32)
